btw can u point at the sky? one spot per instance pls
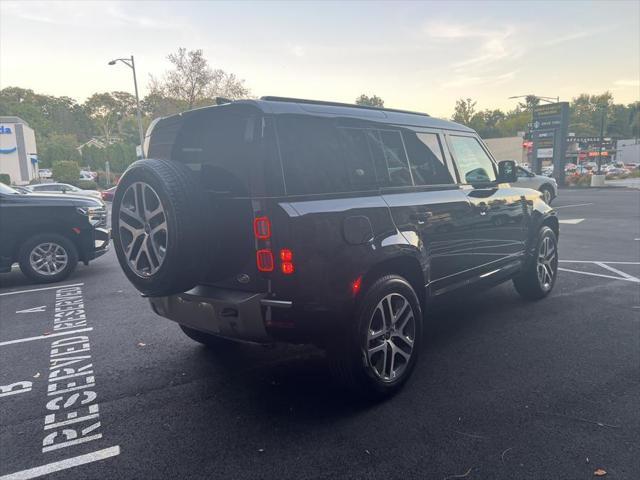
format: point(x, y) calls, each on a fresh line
point(415, 55)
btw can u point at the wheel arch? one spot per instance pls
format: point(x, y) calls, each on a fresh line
point(43, 229)
point(406, 266)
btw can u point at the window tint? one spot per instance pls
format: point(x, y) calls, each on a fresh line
point(473, 163)
point(320, 156)
point(358, 157)
point(232, 151)
point(312, 155)
point(425, 155)
point(522, 173)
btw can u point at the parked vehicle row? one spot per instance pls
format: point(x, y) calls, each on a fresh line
point(47, 234)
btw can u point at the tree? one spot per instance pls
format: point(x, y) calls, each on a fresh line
point(464, 111)
point(192, 82)
point(57, 147)
point(530, 102)
point(372, 101)
point(66, 171)
point(108, 110)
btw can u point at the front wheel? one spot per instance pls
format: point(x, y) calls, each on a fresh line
point(539, 275)
point(381, 348)
point(48, 258)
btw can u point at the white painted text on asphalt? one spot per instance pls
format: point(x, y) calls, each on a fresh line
point(73, 411)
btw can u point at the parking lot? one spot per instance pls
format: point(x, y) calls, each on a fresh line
point(94, 385)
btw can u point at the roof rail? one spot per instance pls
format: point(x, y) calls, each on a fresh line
point(337, 104)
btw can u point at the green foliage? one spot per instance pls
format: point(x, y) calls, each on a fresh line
point(372, 101)
point(57, 147)
point(464, 111)
point(66, 171)
point(5, 178)
point(85, 184)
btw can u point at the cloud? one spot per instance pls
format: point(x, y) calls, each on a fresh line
point(468, 80)
point(575, 36)
point(453, 31)
point(297, 50)
point(627, 83)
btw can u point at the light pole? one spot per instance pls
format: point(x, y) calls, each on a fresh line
point(131, 64)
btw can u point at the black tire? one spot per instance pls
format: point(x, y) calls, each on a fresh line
point(547, 193)
point(53, 239)
point(352, 365)
point(528, 283)
point(179, 193)
point(209, 340)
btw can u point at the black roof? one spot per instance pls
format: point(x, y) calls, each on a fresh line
point(283, 105)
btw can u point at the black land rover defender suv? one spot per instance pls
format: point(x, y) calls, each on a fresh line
point(312, 222)
point(47, 234)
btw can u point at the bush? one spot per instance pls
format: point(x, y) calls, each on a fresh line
point(66, 171)
point(86, 184)
point(579, 180)
point(5, 178)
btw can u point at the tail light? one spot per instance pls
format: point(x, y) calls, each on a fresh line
point(264, 260)
point(286, 257)
point(262, 228)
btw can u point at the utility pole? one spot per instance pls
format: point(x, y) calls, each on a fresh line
point(131, 64)
point(604, 112)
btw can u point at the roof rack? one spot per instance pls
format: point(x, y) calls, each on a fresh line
point(337, 104)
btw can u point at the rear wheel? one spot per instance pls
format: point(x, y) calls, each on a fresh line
point(48, 258)
point(539, 276)
point(547, 194)
point(381, 348)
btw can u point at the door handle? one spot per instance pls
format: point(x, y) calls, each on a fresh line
point(421, 217)
point(483, 208)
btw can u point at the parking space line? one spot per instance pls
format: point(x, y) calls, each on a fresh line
point(619, 272)
point(40, 337)
point(576, 205)
point(40, 289)
point(63, 464)
point(599, 261)
point(599, 275)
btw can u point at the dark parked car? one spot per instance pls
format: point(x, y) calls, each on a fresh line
point(48, 234)
point(313, 222)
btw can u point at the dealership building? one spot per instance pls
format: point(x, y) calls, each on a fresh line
point(18, 153)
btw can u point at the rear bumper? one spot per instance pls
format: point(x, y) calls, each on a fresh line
point(226, 313)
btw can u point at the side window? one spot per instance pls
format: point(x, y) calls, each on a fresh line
point(521, 173)
point(358, 157)
point(473, 163)
point(427, 161)
point(390, 158)
point(312, 155)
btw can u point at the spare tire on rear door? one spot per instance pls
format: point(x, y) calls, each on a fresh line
point(159, 229)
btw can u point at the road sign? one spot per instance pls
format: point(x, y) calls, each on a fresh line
point(549, 131)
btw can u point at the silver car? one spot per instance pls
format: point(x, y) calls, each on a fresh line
point(546, 185)
point(63, 188)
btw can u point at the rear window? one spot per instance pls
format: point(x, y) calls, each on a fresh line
point(233, 151)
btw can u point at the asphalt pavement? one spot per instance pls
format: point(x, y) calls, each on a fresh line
point(94, 385)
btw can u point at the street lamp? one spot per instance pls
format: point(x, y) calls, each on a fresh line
point(546, 99)
point(131, 64)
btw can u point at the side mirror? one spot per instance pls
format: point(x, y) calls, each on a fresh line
point(507, 172)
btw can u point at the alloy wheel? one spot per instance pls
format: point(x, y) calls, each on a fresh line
point(48, 258)
point(547, 263)
point(143, 229)
point(391, 337)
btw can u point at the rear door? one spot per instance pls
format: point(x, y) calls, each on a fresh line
point(425, 201)
point(499, 220)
